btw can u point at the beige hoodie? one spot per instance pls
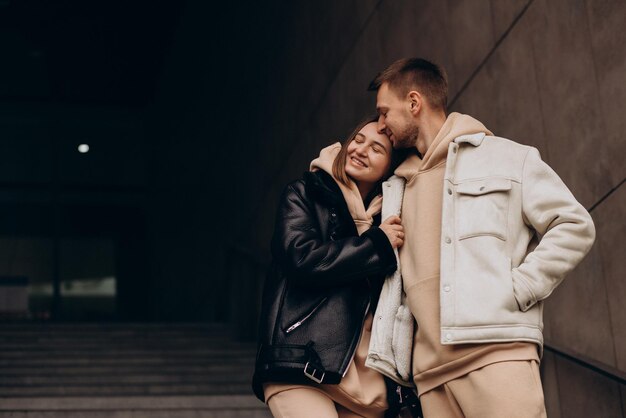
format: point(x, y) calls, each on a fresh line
point(434, 363)
point(363, 218)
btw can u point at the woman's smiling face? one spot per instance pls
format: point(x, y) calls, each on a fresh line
point(368, 155)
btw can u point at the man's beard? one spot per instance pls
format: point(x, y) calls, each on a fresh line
point(407, 138)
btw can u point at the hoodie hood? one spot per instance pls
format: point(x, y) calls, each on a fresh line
point(363, 218)
point(326, 159)
point(456, 125)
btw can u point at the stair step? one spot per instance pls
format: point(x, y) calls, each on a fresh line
point(107, 352)
point(151, 404)
point(17, 343)
point(190, 367)
point(233, 375)
point(191, 413)
point(138, 326)
point(120, 389)
point(123, 362)
point(103, 354)
point(121, 370)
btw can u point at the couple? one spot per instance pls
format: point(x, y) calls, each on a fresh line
point(365, 306)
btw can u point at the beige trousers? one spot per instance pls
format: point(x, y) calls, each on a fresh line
point(305, 402)
point(510, 389)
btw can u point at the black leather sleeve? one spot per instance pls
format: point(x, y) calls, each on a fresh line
point(311, 261)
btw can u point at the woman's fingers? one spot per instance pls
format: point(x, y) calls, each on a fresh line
point(392, 227)
point(397, 228)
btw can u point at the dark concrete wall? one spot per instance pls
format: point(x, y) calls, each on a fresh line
point(548, 73)
point(204, 130)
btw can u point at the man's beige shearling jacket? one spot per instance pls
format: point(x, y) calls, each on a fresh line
point(511, 231)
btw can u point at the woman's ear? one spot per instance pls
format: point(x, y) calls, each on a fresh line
point(415, 102)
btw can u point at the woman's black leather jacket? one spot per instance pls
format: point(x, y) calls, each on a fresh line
point(318, 287)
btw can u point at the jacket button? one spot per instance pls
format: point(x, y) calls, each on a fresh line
point(448, 240)
point(448, 337)
point(482, 188)
point(449, 191)
point(446, 288)
point(454, 150)
point(333, 214)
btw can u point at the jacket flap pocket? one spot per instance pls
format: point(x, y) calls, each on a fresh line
point(484, 186)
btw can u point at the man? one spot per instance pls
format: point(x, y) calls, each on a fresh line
point(491, 231)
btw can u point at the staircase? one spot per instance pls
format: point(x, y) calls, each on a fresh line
point(125, 370)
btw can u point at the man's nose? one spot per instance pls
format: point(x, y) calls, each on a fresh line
point(380, 125)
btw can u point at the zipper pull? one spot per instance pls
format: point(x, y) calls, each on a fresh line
point(294, 326)
point(399, 392)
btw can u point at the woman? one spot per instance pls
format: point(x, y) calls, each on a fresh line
point(330, 257)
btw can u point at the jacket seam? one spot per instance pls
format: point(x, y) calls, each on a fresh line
point(522, 182)
point(467, 180)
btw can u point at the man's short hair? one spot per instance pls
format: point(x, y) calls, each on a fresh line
point(408, 74)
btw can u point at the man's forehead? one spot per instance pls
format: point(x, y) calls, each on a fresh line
point(381, 97)
point(383, 90)
point(385, 94)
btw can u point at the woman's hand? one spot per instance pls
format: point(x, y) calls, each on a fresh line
point(392, 227)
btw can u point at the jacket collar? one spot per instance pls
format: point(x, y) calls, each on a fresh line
point(474, 139)
point(322, 185)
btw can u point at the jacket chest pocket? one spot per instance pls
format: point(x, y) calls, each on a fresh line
point(482, 208)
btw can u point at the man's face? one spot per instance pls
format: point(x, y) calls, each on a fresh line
point(395, 118)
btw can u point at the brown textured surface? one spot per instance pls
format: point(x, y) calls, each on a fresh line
point(557, 81)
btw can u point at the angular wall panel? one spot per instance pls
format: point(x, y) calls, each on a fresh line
point(574, 128)
point(611, 230)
